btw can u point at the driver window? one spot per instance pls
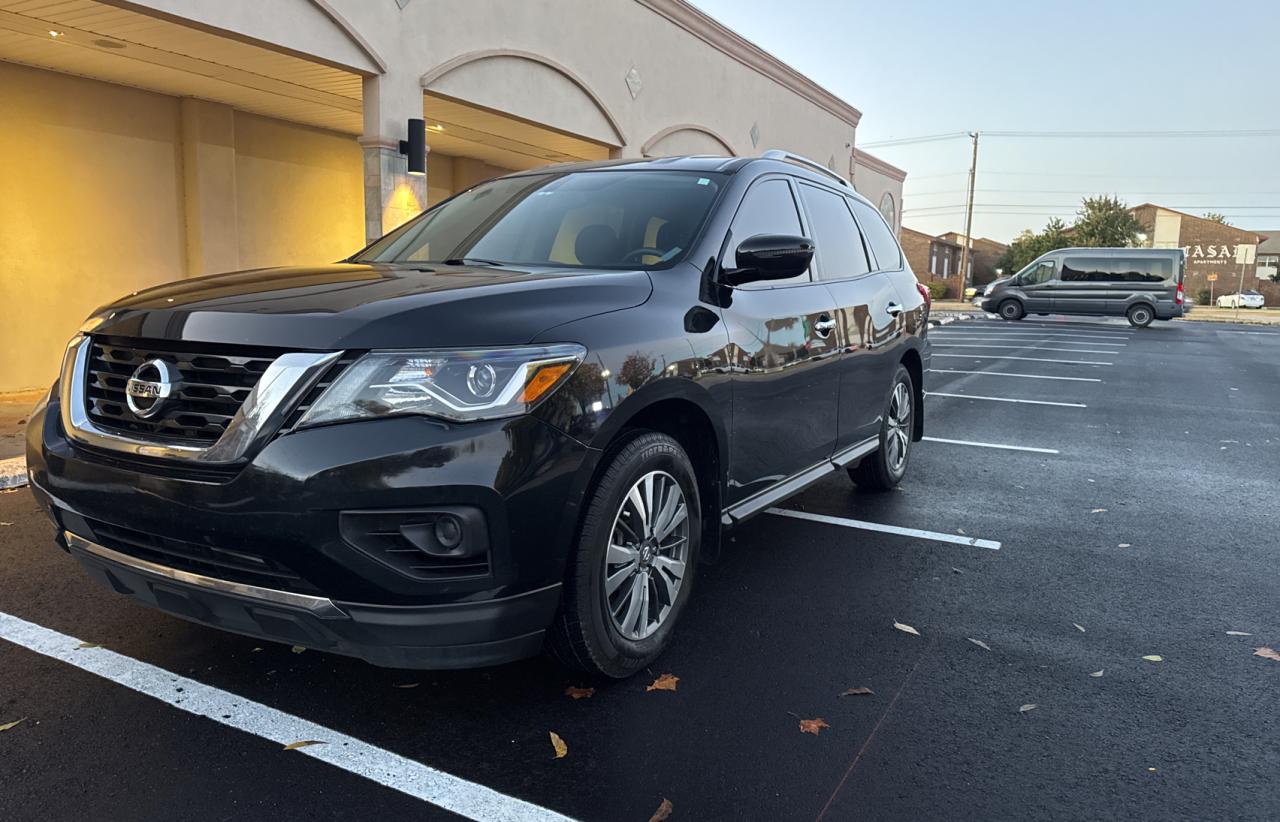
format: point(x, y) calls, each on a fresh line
point(768, 208)
point(1042, 273)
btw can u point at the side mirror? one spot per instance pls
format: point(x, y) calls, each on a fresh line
point(769, 257)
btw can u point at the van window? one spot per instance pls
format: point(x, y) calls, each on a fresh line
point(1042, 273)
point(1117, 269)
point(839, 242)
point(888, 257)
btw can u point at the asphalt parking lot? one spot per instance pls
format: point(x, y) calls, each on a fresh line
point(1128, 478)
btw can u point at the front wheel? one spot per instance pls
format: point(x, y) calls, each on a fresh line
point(1140, 316)
point(632, 568)
point(883, 469)
point(1011, 310)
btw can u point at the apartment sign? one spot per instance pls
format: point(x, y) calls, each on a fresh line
point(1213, 254)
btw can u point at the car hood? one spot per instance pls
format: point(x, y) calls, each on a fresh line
point(350, 306)
point(994, 284)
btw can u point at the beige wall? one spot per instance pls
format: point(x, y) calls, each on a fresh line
point(95, 202)
point(872, 180)
point(90, 208)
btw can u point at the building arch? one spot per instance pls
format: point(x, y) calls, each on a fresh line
point(697, 139)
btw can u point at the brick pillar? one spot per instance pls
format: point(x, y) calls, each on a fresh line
point(391, 194)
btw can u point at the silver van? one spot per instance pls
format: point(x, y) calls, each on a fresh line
point(1143, 284)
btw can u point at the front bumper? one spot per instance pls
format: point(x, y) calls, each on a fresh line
point(285, 508)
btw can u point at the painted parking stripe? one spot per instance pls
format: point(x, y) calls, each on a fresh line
point(1027, 359)
point(954, 539)
point(1023, 347)
point(1007, 399)
point(1012, 374)
point(1032, 338)
point(443, 790)
point(998, 445)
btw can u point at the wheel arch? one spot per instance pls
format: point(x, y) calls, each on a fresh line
point(914, 363)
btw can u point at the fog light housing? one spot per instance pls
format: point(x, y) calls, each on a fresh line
point(448, 532)
point(441, 543)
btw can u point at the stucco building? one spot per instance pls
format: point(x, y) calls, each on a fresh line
point(151, 140)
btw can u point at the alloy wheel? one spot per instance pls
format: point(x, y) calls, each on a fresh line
point(644, 565)
point(897, 435)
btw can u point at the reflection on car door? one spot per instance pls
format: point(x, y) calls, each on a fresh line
point(867, 328)
point(781, 351)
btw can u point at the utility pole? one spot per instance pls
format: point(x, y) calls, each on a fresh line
point(968, 220)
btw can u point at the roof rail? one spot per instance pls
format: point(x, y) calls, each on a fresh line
point(787, 156)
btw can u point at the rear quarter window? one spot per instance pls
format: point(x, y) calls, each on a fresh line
point(879, 236)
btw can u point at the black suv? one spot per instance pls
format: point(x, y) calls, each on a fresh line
point(513, 422)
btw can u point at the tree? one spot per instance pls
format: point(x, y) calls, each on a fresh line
point(1028, 245)
point(1215, 217)
point(1105, 222)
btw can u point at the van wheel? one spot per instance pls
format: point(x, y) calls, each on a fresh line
point(632, 569)
point(886, 466)
point(1011, 310)
point(1140, 316)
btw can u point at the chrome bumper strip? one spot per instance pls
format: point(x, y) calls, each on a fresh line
point(321, 607)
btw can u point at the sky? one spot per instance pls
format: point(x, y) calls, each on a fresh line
point(928, 67)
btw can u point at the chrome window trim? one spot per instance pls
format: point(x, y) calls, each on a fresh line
point(284, 383)
point(321, 607)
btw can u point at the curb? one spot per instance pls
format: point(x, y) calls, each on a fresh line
point(13, 473)
point(951, 318)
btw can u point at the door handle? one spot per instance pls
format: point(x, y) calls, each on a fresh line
point(893, 309)
point(824, 326)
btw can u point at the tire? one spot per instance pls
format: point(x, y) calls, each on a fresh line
point(616, 633)
point(1011, 310)
point(1141, 315)
point(884, 468)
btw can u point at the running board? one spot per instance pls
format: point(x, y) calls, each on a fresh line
point(782, 489)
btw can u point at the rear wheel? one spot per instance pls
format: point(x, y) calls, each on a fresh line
point(885, 468)
point(632, 568)
point(1011, 310)
point(1140, 316)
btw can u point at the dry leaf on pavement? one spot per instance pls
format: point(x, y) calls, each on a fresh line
point(5, 524)
point(297, 649)
point(907, 629)
point(1098, 511)
point(666, 682)
point(984, 646)
point(663, 812)
point(1153, 658)
point(1267, 653)
point(1097, 674)
point(84, 645)
point(858, 692)
point(578, 693)
point(1079, 627)
point(812, 726)
point(1238, 633)
point(1124, 545)
point(1030, 706)
point(562, 750)
point(293, 746)
point(6, 726)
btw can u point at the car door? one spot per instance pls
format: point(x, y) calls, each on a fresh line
point(783, 344)
point(867, 310)
point(1084, 286)
point(1038, 285)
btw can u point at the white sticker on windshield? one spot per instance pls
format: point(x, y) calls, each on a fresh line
point(704, 181)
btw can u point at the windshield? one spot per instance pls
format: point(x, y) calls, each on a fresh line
point(584, 219)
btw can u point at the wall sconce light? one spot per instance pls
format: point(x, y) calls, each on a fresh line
point(415, 148)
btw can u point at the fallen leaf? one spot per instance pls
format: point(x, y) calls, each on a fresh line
point(663, 811)
point(1097, 674)
point(1153, 658)
point(1079, 627)
point(297, 649)
point(984, 646)
point(961, 532)
point(812, 726)
point(1098, 511)
point(1030, 706)
point(666, 682)
point(956, 571)
point(562, 750)
point(1151, 770)
point(1124, 545)
point(1238, 633)
point(407, 685)
point(858, 692)
point(905, 628)
point(87, 645)
point(1267, 653)
point(578, 693)
point(255, 650)
point(5, 524)
point(6, 726)
point(302, 743)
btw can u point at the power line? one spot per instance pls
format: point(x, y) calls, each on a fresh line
point(1082, 135)
point(1142, 192)
point(903, 141)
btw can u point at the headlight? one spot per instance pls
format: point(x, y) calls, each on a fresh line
point(457, 385)
point(986, 292)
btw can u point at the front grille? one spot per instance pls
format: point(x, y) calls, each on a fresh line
point(216, 380)
point(232, 564)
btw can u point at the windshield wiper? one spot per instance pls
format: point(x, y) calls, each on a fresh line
point(471, 261)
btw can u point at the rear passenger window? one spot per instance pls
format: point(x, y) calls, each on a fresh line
point(879, 236)
point(768, 208)
point(840, 251)
point(1116, 270)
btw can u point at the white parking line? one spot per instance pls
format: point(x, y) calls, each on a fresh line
point(443, 790)
point(1055, 340)
point(1011, 357)
point(994, 445)
point(1025, 346)
point(1064, 329)
point(1011, 374)
point(1007, 399)
point(886, 529)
